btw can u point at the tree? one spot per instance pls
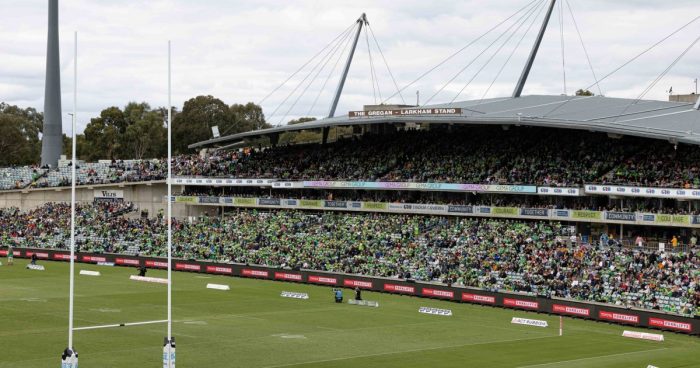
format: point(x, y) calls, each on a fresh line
point(137, 132)
point(300, 120)
point(80, 148)
point(146, 137)
point(247, 117)
point(19, 135)
point(201, 113)
point(194, 123)
point(12, 143)
point(582, 92)
point(103, 134)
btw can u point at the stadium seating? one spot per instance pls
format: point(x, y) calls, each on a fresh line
point(104, 173)
point(18, 177)
point(490, 155)
point(528, 257)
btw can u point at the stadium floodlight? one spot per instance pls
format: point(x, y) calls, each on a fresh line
point(69, 358)
point(169, 343)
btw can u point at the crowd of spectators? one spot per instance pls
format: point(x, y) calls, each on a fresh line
point(591, 203)
point(488, 155)
point(664, 165)
point(116, 171)
point(533, 257)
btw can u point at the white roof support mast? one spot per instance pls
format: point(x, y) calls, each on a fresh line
point(533, 53)
point(361, 21)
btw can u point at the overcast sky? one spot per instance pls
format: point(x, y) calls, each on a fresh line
point(240, 50)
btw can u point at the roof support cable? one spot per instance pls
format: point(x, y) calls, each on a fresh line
point(585, 51)
point(347, 43)
point(352, 26)
point(443, 61)
point(322, 64)
point(371, 69)
point(520, 20)
point(374, 68)
point(658, 78)
point(386, 64)
point(301, 82)
point(561, 36)
point(496, 53)
point(517, 45)
point(627, 63)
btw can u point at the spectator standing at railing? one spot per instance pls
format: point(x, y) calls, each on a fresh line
point(674, 241)
point(604, 239)
point(639, 241)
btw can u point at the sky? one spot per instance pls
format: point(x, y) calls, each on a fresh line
point(240, 51)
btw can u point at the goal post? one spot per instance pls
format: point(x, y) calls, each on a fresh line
point(561, 325)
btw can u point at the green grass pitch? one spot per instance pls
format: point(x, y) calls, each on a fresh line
point(252, 326)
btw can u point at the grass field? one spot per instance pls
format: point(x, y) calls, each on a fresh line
point(252, 326)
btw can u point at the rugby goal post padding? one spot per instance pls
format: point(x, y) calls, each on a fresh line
point(69, 358)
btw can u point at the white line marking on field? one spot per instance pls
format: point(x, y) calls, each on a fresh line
point(199, 323)
point(289, 336)
point(34, 300)
point(119, 325)
point(329, 328)
point(589, 358)
point(404, 351)
point(106, 310)
point(244, 316)
point(202, 277)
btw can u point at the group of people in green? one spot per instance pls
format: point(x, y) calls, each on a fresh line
point(495, 254)
point(534, 156)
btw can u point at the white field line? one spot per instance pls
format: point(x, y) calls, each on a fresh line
point(589, 358)
point(405, 351)
point(119, 325)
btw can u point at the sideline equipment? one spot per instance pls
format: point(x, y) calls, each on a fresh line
point(218, 287)
point(435, 311)
point(291, 294)
point(148, 279)
point(366, 303)
point(529, 322)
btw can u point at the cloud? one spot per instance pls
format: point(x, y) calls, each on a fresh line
point(239, 51)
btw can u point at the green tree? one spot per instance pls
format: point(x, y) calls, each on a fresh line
point(246, 118)
point(19, 135)
point(136, 132)
point(584, 92)
point(201, 113)
point(146, 137)
point(194, 123)
point(103, 135)
point(80, 148)
point(301, 120)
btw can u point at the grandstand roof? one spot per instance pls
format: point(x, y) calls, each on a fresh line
point(677, 122)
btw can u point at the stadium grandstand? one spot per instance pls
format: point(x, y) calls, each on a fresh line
point(623, 170)
point(559, 204)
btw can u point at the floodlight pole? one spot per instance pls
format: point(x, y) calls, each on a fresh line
point(533, 53)
point(362, 20)
point(169, 348)
point(69, 358)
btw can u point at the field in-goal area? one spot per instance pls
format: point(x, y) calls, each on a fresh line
point(252, 326)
